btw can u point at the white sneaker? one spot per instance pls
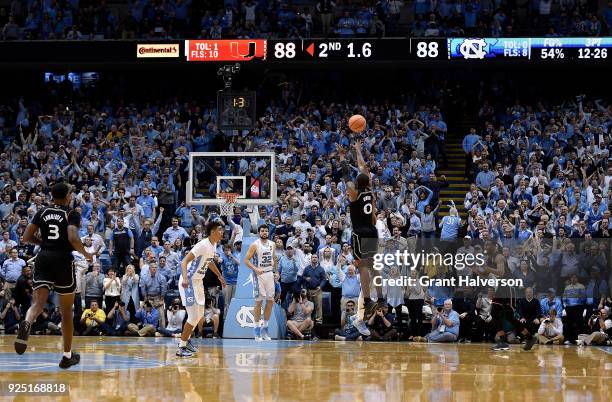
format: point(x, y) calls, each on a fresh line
point(265, 335)
point(580, 342)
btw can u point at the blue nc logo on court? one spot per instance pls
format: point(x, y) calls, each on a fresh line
point(245, 317)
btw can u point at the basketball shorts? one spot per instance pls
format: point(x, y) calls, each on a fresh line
point(193, 298)
point(55, 271)
point(263, 286)
point(365, 244)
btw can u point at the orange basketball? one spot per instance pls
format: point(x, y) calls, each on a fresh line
point(357, 123)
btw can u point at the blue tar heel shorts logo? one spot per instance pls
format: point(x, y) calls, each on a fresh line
point(189, 296)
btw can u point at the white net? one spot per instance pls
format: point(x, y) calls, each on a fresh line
point(226, 208)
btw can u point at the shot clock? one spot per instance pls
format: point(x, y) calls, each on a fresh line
point(236, 110)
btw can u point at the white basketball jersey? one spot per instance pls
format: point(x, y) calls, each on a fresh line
point(204, 253)
point(265, 255)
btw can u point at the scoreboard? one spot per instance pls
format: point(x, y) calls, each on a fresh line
point(551, 50)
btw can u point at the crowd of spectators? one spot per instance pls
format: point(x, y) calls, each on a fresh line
point(540, 195)
point(530, 18)
point(178, 19)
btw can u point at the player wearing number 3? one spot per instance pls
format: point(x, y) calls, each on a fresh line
point(263, 279)
point(193, 269)
point(56, 230)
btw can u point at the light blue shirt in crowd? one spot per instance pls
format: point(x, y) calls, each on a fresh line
point(454, 318)
point(450, 227)
point(11, 269)
point(288, 269)
point(351, 286)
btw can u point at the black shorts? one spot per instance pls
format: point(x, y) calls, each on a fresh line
point(365, 243)
point(54, 270)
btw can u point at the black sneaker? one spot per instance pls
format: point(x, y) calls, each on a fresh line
point(529, 343)
point(369, 308)
point(501, 346)
point(21, 343)
point(74, 360)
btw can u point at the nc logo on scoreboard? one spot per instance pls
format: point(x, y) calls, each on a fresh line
point(473, 48)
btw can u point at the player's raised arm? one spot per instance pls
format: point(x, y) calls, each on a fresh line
point(249, 258)
point(360, 161)
point(346, 168)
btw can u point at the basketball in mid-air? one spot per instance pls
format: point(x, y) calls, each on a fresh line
point(357, 123)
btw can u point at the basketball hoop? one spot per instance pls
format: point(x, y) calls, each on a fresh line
point(227, 208)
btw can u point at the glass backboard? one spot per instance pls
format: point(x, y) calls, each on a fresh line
point(250, 174)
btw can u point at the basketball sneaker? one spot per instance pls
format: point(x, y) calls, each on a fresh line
point(183, 352)
point(529, 343)
point(74, 360)
point(501, 346)
point(191, 347)
point(369, 308)
point(265, 335)
point(21, 343)
point(360, 325)
point(257, 334)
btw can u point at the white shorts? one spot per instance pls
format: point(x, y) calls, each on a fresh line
point(193, 298)
point(263, 286)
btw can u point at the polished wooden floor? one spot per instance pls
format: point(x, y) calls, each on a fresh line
point(145, 369)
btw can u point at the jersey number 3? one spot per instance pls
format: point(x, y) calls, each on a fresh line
point(53, 232)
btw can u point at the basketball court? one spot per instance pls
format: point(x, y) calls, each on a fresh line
point(245, 370)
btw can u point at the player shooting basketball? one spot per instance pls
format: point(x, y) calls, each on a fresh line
point(365, 235)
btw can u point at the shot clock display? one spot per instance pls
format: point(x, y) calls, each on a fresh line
point(236, 110)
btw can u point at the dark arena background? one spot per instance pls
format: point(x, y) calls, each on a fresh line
point(474, 264)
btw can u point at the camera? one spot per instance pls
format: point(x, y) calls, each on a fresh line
point(439, 309)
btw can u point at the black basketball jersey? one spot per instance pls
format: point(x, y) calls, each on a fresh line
point(361, 211)
point(53, 224)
